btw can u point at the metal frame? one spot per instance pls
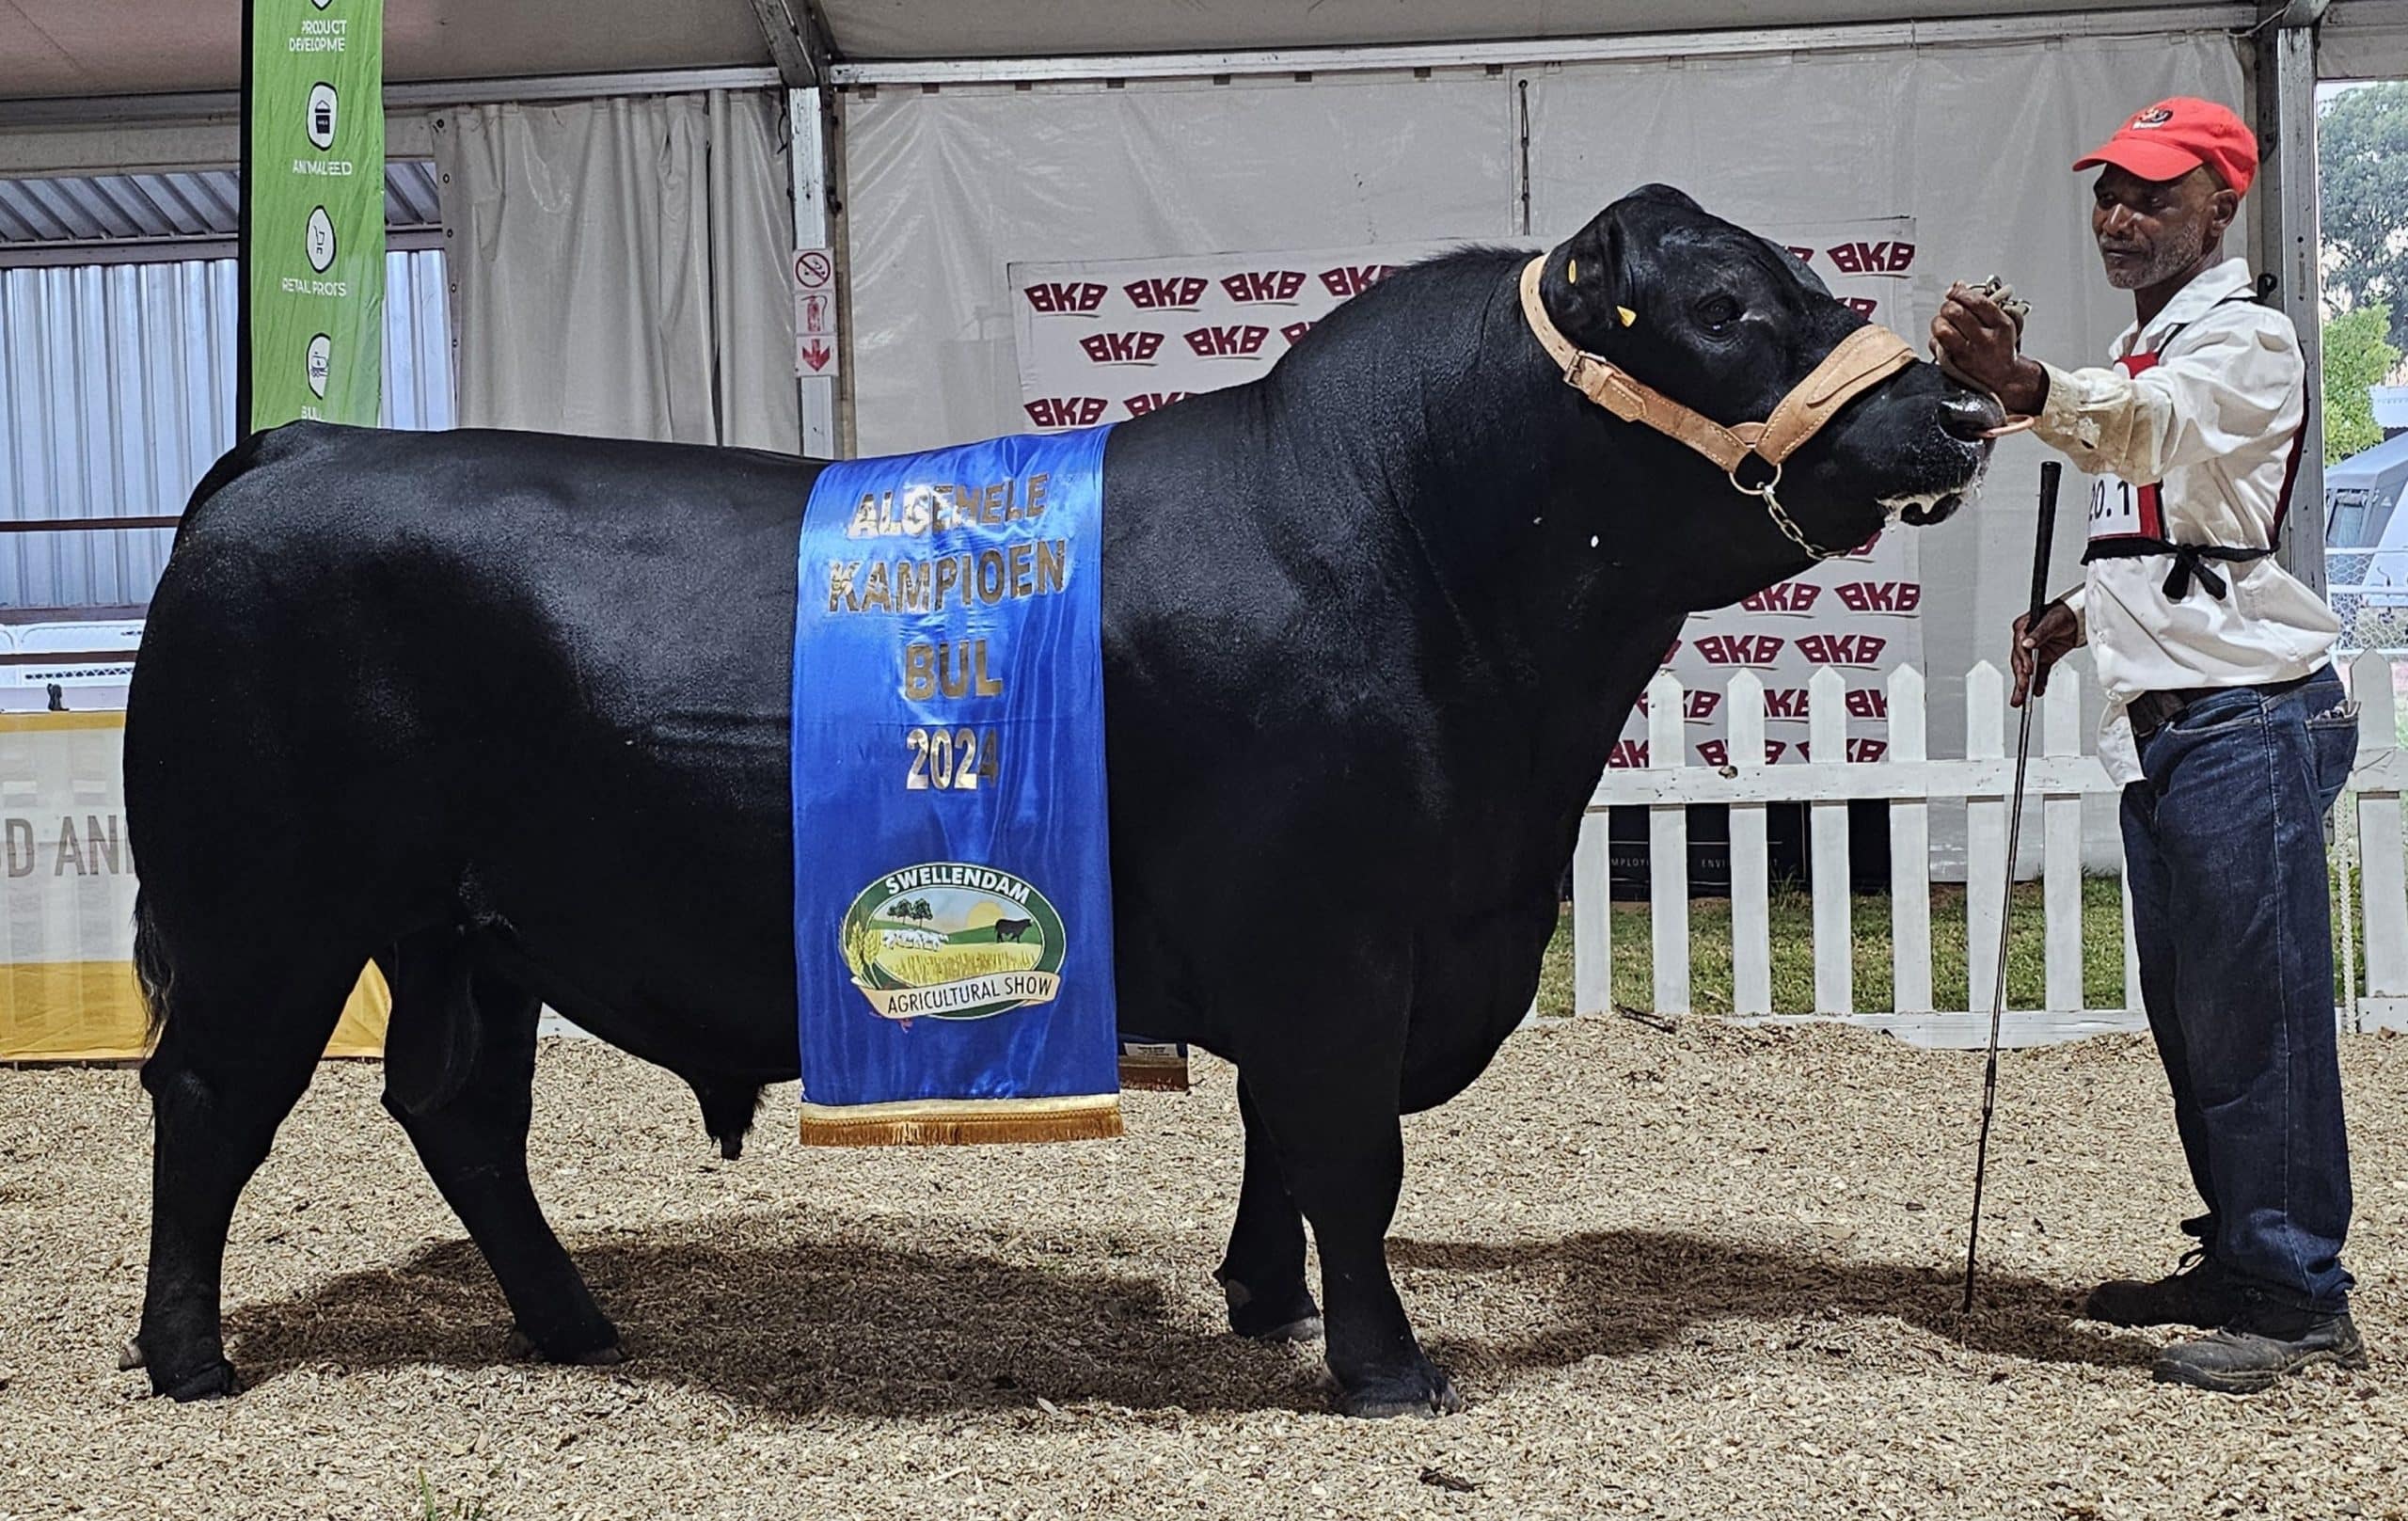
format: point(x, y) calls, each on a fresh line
point(171, 250)
point(1734, 44)
point(106, 110)
point(2286, 242)
point(798, 40)
point(807, 122)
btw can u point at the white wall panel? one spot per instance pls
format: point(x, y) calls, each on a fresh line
point(945, 189)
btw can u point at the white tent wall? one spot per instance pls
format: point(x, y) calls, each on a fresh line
point(943, 189)
point(619, 267)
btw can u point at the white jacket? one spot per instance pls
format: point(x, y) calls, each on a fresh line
point(2214, 424)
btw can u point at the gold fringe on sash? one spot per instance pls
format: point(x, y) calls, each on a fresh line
point(963, 1121)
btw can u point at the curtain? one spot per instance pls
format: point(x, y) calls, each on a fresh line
point(618, 267)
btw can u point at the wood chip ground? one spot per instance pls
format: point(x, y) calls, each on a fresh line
point(1705, 1272)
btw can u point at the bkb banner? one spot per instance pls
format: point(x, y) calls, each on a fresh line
point(312, 338)
point(953, 888)
point(1106, 341)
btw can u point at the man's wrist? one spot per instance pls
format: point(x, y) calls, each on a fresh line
point(2027, 388)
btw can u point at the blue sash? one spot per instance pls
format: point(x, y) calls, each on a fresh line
point(952, 880)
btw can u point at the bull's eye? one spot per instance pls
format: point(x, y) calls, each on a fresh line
point(1716, 314)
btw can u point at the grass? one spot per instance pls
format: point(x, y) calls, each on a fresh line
point(431, 1508)
point(1793, 953)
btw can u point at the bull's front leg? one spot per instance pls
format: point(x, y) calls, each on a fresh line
point(1326, 1092)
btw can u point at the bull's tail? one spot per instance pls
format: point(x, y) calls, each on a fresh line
point(153, 974)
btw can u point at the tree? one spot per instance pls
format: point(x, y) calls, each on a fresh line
point(2362, 164)
point(2357, 356)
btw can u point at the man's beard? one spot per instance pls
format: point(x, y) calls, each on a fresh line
point(2179, 250)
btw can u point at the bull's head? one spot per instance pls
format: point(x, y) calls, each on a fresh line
point(1728, 325)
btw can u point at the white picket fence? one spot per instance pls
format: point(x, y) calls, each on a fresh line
point(2370, 847)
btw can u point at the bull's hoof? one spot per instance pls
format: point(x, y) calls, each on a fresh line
point(216, 1380)
point(1302, 1332)
point(1286, 1316)
point(607, 1354)
point(1427, 1392)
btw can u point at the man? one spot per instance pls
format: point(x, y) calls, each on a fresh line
point(2227, 725)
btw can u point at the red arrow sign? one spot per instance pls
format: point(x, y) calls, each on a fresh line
point(818, 355)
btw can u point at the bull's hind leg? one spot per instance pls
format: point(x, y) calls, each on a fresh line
point(1263, 1274)
point(460, 1078)
point(237, 1048)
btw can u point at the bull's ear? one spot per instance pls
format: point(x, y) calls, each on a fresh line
point(1588, 286)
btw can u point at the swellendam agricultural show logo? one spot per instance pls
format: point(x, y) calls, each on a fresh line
point(951, 941)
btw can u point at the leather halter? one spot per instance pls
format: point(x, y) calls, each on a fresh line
point(1863, 360)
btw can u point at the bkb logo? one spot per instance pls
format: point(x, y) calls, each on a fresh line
point(1227, 342)
point(1789, 596)
point(1179, 292)
point(1354, 279)
point(1246, 287)
point(1084, 297)
point(1740, 649)
point(1696, 706)
point(1843, 649)
point(1881, 596)
point(1154, 400)
point(1294, 331)
point(1805, 255)
point(1121, 348)
point(1066, 411)
point(1871, 702)
point(1873, 258)
point(1628, 754)
point(1859, 751)
point(1717, 753)
point(1786, 702)
point(1864, 305)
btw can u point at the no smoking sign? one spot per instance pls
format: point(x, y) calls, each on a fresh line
point(816, 339)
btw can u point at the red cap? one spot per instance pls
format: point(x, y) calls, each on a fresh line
point(2173, 137)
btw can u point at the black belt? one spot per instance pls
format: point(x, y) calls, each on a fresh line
point(2191, 561)
point(2152, 711)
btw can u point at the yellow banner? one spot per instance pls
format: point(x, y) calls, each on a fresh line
point(67, 884)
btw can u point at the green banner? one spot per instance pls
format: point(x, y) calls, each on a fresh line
point(313, 212)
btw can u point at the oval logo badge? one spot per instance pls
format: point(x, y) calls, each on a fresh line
point(952, 940)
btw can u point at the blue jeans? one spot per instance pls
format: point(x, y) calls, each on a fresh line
point(2231, 917)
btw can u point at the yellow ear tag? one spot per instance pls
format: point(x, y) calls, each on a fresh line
point(1572, 272)
point(1628, 316)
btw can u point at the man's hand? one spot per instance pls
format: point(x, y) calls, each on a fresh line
point(2041, 646)
point(1979, 341)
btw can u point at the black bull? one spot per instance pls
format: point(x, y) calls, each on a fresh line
point(509, 713)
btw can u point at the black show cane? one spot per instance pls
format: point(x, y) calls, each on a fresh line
point(2049, 472)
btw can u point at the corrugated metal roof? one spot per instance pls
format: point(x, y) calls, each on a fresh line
point(203, 204)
